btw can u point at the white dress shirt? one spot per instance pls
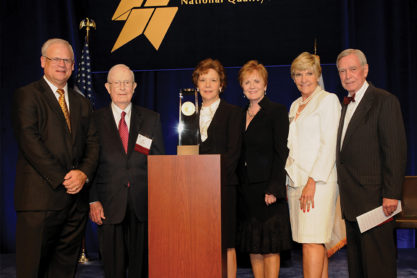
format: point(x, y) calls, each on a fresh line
point(117, 114)
point(57, 95)
point(206, 116)
point(351, 109)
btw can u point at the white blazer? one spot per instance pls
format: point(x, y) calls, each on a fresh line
point(312, 139)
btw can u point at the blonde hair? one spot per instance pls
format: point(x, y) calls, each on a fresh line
point(306, 61)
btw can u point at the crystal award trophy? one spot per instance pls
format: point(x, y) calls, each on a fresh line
point(188, 127)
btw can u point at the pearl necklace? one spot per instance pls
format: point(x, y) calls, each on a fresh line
point(303, 103)
point(307, 100)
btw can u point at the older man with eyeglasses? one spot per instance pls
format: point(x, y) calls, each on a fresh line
point(118, 197)
point(58, 152)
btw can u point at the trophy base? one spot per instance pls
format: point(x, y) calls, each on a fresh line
point(187, 150)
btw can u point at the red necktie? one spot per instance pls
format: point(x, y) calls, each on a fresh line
point(347, 100)
point(123, 131)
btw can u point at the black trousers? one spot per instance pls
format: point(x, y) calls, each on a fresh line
point(124, 247)
point(371, 254)
point(48, 242)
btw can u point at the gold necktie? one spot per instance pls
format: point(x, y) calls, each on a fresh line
point(64, 107)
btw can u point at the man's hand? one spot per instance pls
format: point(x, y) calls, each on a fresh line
point(97, 213)
point(74, 181)
point(389, 206)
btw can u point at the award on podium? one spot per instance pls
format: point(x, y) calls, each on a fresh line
point(188, 127)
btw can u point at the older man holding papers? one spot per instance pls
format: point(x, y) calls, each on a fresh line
point(371, 160)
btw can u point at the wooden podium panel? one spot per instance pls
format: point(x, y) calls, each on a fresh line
point(184, 217)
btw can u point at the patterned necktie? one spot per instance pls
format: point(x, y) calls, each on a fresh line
point(123, 131)
point(64, 107)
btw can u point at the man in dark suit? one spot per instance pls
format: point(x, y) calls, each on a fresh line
point(118, 197)
point(58, 152)
point(371, 160)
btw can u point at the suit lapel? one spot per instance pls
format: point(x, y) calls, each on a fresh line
point(260, 116)
point(75, 111)
point(135, 125)
point(312, 104)
point(51, 99)
point(340, 129)
point(359, 114)
point(53, 102)
point(218, 116)
point(108, 119)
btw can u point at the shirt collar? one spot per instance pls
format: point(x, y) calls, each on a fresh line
point(361, 92)
point(212, 106)
point(53, 87)
point(117, 110)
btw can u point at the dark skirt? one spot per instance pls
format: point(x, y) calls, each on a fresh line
point(262, 229)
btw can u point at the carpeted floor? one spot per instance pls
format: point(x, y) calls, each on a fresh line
point(407, 266)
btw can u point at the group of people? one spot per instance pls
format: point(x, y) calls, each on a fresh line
point(281, 173)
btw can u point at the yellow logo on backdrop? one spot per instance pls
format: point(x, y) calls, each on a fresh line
point(152, 19)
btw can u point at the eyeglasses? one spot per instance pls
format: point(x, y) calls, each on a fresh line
point(57, 60)
point(119, 83)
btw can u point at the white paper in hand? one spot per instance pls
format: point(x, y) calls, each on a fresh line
point(374, 217)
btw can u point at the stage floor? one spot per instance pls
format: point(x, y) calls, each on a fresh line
point(407, 266)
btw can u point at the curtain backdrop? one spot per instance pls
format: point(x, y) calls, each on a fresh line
point(384, 30)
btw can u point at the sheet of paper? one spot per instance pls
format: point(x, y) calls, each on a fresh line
point(374, 217)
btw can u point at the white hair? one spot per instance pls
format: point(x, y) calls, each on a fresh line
point(361, 56)
point(50, 42)
point(113, 68)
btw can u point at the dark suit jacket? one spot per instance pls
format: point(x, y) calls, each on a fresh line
point(116, 168)
point(47, 149)
point(265, 148)
point(225, 138)
point(371, 163)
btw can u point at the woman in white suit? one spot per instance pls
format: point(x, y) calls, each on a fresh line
point(311, 173)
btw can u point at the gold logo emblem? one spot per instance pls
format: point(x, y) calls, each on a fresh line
point(152, 19)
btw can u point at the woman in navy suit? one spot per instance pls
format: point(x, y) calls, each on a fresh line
point(220, 133)
point(264, 227)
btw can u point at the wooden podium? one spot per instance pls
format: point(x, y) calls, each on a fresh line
point(184, 217)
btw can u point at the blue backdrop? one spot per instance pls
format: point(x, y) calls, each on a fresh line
point(385, 30)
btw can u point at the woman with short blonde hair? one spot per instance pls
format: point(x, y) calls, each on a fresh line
point(311, 165)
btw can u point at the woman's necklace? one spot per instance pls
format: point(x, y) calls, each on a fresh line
point(251, 115)
point(307, 100)
point(303, 103)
